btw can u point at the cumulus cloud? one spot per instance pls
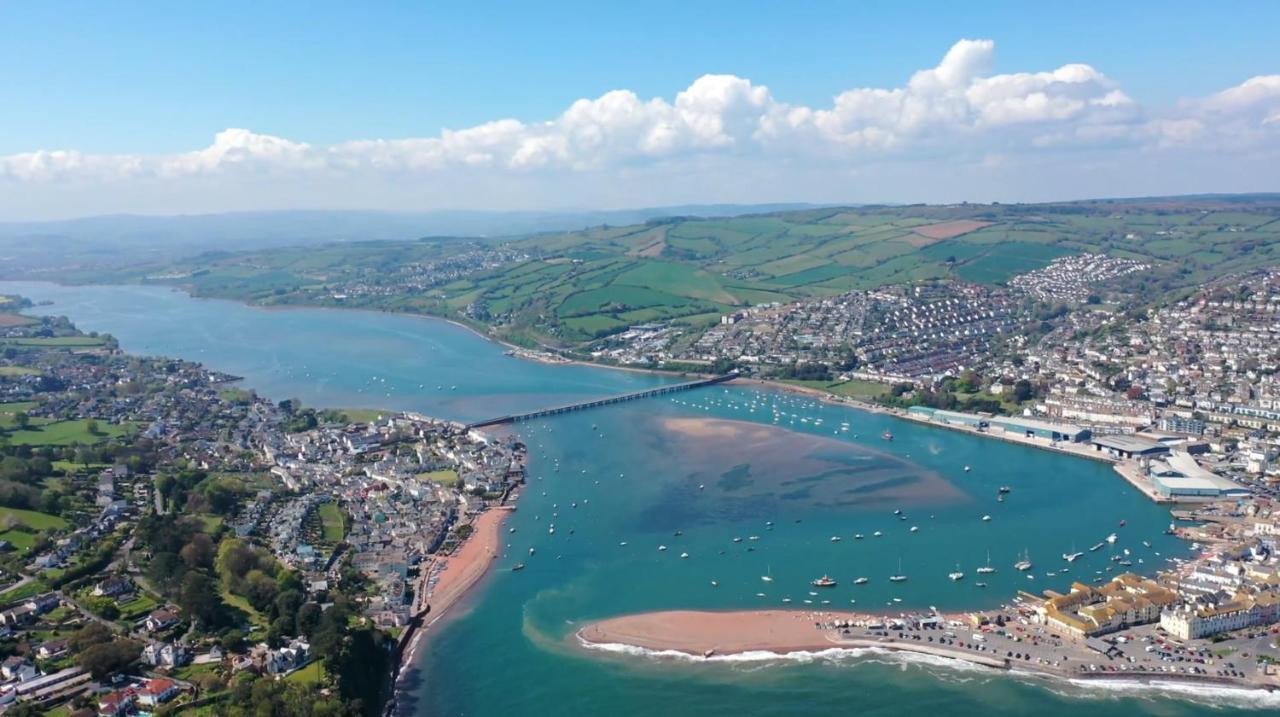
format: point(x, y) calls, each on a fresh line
point(959, 107)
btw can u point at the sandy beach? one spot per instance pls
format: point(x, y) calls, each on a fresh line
point(455, 574)
point(447, 579)
point(697, 632)
point(1026, 649)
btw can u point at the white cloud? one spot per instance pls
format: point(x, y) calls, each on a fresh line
point(959, 110)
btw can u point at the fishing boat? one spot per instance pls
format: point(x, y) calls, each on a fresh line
point(531, 551)
point(823, 582)
point(1004, 489)
point(1024, 564)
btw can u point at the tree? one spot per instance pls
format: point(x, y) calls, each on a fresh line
point(1022, 390)
point(166, 571)
point(105, 659)
point(21, 419)
point(198, 553)
point(199, 598)
point(92, 634)
point(92, 427)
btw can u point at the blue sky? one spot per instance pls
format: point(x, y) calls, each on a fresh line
point(141, 79)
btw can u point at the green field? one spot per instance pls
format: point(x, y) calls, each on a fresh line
point(363, 415)
point(18, 371)
point(31, 519)
point(65, 433)
point(570, 288)
point(16, 406)
point(331, 523)
point(312, 674)
point(446, 477)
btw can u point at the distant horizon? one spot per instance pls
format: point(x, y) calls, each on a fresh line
point(569, 210)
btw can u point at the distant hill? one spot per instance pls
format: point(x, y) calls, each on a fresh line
point(570, 287)
point(118, 240)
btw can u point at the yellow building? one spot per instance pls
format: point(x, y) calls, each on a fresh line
point(1087, 611)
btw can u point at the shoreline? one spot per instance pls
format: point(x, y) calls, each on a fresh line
point(456, 577)
point(782, 634)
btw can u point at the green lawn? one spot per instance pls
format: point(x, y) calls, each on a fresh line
point(18, 371)
point(72, 467)
point(448, 477)
point(32, 519)
point(331, 522)
point(64, 433)
point(363, 415)
point(312, 674)
point(19, 539)
point(35, 587)
point(136, 608)
point(241, 603)
point(861, 390)
point(16, 406)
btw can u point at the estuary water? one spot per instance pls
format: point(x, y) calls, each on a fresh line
point(745, 483)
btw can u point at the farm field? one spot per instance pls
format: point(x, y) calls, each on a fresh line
point(570, 288)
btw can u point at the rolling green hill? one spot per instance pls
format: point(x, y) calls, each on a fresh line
point(570, 287)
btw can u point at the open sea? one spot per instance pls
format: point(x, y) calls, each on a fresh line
point(692, 471)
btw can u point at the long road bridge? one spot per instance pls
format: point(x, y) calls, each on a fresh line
point(583, 405)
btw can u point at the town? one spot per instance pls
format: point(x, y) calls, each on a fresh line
point(170, 538)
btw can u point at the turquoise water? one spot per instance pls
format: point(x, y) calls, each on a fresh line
point(713, 465)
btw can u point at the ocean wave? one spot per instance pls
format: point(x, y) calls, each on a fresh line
point(1208, 694)
point(1211, 695)
point(829, 655)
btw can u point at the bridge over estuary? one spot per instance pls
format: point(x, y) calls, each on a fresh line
point(596, 403)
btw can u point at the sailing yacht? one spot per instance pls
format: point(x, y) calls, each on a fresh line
point(899, 578)
point(1024, 564)
point(987, 569)
point(957, 575)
